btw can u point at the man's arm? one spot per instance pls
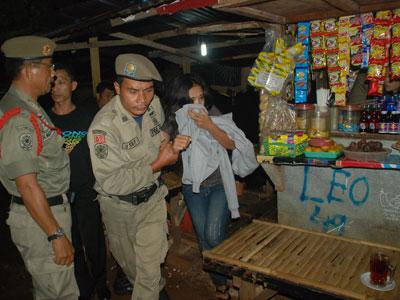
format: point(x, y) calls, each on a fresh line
point(36, 204)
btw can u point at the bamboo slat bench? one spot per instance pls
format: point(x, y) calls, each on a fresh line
point(315, 261)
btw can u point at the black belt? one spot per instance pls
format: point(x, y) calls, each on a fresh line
point(56, 200)
point(140, 196)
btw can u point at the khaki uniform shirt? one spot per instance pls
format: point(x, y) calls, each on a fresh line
point(121, 151)
point(19, 147)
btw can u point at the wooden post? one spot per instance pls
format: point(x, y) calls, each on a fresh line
point(185, 65)
point(95, 65)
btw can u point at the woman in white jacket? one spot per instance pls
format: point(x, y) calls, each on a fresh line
point(207, 172)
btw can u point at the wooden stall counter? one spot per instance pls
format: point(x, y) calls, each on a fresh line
point(318, 262)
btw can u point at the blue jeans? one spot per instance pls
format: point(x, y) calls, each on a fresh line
point(210, 215)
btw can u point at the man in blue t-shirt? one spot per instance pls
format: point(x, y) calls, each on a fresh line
point(87, 229)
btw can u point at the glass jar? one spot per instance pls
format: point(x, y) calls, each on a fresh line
point(319, 126)
point(349, 118)
point(304, 113)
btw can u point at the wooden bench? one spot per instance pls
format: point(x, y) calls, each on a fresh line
point(327, 264)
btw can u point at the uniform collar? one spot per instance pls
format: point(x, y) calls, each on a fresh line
point(24, 97)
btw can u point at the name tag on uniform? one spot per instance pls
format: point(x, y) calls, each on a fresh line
point(155, 130)
point(131, 144)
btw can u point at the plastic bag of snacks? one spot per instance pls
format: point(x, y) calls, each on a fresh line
point(271, 69)
point(280, 117)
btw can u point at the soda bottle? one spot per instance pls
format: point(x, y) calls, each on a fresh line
point(373, 120)
point(383, 125)
point(394, 123)
point(364, 124)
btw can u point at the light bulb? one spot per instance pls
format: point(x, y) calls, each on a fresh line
point(203, 49)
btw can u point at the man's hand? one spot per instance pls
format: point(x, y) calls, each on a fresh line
point(63, 251)
point(167, 156)
point(180, 143)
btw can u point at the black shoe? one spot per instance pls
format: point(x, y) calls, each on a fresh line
point(163, 295)
point(122, 285)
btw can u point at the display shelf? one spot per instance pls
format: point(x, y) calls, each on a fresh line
point(392, 162)
point(368, 136)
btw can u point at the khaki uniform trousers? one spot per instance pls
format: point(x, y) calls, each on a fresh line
point(50, 281)
point(137, 236)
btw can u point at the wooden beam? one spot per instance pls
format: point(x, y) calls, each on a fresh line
point(206, 29)
point(256, 13)
point(242, 56)
point(136, 17)
point(95, 65)
point(237, 3)
point(348, 6)
point(159, 46)
point(231, 43)
point(335, 13)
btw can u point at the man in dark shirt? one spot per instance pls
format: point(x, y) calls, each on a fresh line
point(87, 230)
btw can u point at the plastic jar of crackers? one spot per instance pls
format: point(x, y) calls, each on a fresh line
point(319, 126)
point(304, 112)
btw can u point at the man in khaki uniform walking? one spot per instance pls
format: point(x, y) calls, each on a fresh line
point(34, 169)
point(127, 151)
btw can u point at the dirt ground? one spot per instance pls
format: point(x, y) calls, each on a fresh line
point(185, 278)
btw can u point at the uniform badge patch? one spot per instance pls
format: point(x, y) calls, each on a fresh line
point(130, 70)
point(99, 139)
point(101, 151)
point(25, 141)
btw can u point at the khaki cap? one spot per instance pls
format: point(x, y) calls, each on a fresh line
point(28, 47)
point(137, 67)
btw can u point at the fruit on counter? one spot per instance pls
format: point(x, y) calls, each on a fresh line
point(364, 146)
point(332, 148)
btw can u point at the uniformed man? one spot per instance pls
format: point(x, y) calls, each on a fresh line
point(34, 168)
point(127, 151)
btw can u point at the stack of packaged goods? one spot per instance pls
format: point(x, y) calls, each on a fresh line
point(302, 64)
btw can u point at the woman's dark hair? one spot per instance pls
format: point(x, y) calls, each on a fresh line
point(177, 95)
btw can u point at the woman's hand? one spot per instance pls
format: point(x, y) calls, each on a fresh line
point(201, 119)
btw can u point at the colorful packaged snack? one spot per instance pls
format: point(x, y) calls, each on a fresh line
point(356, 56)
point(355, 21)
point(378, 52)
point(317, 42)
point(300, 96)
point(396, 15)
point(334, 77)
point(331, 42)
point(355, 35)
point(395, 51)
point(330, 25)
point(367, 18)
point(332, 59)
point(383, 15)
point(376, 72)
point(381, 32)
point(396, 30)
point(318, 60)
point(302, 59)
point(301, 79)
point(365, 57)
point(303, 32)
point(395, 70)
point(315, 26)
point(376, 88)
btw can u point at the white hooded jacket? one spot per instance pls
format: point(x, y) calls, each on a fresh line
point(204, 155)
